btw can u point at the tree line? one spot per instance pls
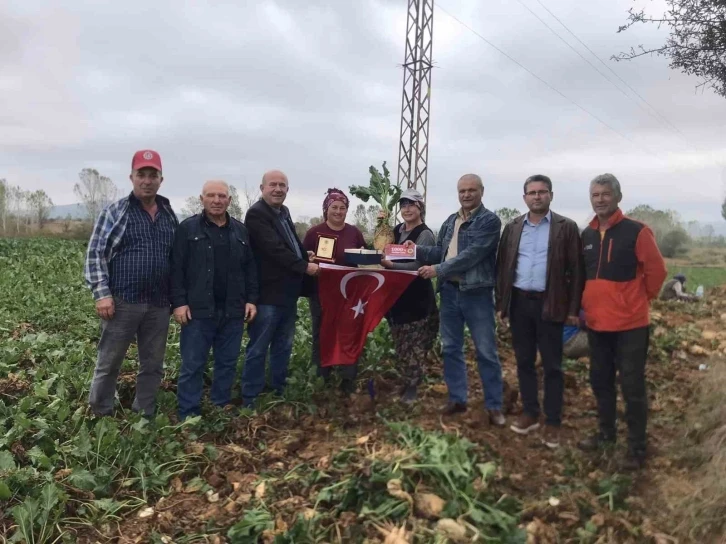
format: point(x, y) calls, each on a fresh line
point(21, 210)
point(672, 235)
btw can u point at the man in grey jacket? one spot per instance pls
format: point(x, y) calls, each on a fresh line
point(464, 260)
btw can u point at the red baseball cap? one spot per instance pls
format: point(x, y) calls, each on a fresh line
point(146, 158)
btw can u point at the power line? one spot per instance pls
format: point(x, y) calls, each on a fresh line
point(550, 86)
point(588, 61)
point(662, 117)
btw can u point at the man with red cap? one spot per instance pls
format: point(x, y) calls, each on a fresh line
point(127, 269)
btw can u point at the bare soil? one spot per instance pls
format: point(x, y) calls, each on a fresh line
point(528, 470)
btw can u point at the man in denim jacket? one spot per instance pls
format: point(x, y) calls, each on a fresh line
point(464, 260)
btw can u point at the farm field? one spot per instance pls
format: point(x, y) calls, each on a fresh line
point(708, 276)
point(314, 467)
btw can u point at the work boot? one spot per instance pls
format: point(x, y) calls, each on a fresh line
point(524, 424)
point(452, 408)
point(596, 441)
point(496, 418)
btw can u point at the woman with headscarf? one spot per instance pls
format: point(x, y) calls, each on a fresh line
point(335, 209)
point(414, 319)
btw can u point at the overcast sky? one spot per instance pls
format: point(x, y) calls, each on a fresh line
point(231, 89)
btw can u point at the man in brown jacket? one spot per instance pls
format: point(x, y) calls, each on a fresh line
point(540, 278)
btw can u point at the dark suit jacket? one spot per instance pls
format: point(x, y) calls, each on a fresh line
point(281, 273)
point(565, 268)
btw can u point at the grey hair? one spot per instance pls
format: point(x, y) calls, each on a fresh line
point(221, 182)
point(608, 180)
point(473, 177)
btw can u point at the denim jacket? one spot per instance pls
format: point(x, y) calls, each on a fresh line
point(475, 263)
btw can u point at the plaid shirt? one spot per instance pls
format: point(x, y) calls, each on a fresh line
point(108, 233)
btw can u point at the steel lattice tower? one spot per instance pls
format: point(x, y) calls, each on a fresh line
point(413, 150)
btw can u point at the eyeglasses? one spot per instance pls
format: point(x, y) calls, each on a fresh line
point(536, 193)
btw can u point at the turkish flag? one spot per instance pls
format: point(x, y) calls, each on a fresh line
point(353, 302)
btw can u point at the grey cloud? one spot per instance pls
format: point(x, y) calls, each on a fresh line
point(227, 90)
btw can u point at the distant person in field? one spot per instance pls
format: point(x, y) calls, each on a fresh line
point(284, 274)
point(414, 318)
point(625, 271)
point(675, 289)
point(335, 209)
point(213, 294)
point(127, 268)
point(540, 279)
point(464, 260)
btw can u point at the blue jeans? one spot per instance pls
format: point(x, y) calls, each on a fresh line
point(476, 310)
point(197, 337)
point(272, 329)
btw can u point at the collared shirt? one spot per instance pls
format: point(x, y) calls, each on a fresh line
point(105, 242)
point(284, 216)
point(220, 245)
point(532, 256)
point(453, 249)
point(461, 217)
point(139, 271)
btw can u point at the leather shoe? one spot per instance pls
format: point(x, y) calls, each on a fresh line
point(496, 418)
point(524, 424)
point(634, 460)
point(596, 441)
point(452, 408)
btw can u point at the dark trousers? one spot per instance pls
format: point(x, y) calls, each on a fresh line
point(529, 334)
point(624, 352)
point(224, 336)
point(149, 325)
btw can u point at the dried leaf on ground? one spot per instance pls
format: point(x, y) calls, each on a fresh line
point(146, 512)
point(260, 490)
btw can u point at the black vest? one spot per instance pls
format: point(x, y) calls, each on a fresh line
point(418, 301)
point(612, 257)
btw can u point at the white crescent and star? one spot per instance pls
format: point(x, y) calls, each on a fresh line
point(359, 308)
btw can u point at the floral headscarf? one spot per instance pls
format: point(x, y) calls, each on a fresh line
point(334, 195)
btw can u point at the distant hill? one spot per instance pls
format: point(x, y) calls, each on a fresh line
point(76, 211)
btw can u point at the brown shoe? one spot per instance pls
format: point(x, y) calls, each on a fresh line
point(496, 418)
point(452, 408)
point(524, 424)
point(551, 436)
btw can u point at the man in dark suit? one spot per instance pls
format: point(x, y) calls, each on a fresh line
point(283, 268)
